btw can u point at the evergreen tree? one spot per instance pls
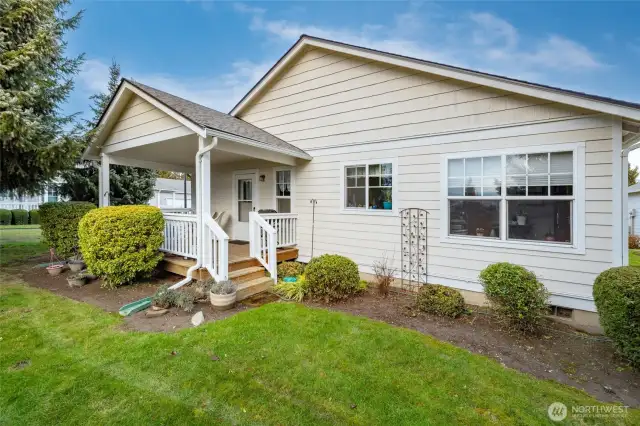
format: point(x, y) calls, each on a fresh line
point(36, 140)
point(128, 185)
point(632, 175)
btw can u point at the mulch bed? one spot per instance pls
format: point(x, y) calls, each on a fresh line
point(561, 353)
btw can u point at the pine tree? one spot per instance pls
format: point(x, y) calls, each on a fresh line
point(128, 185)
point(632, 175)
point(36, 140)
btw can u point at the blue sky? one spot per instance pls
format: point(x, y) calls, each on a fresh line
point(213, 52)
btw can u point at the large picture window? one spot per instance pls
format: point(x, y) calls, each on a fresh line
point(369, 186)
point(515, 196)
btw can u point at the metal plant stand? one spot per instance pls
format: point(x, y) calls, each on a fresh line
point(413, 248)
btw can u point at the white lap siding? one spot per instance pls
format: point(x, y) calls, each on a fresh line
point(342, 109)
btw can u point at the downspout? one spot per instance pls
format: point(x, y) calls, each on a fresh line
point(199, 222)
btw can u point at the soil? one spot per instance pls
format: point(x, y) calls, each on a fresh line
point(561, 353)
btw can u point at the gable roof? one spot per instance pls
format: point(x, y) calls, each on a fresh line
point(603, 104)
point(200, 117)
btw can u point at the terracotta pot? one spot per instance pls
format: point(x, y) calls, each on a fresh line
point(54, 270)
point(222, 302)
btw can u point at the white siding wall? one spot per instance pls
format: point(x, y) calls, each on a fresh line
point(341, 109)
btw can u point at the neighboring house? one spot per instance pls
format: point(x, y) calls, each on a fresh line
point(508, 171)
point(634, 209)
point(10, 202)
point(171, 193)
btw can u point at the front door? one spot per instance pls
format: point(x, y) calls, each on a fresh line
point(245, 185)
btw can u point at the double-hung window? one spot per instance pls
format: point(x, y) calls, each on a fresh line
point(516, 197)
point(368, 186)
point(283, 190)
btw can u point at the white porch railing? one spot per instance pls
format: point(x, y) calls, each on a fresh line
point(262, 243)
point(216, 254)
point(177, 210)
point(24, 205)
point(180, 235)
point(286, 227)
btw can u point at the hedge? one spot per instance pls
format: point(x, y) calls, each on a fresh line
point(34, 217)
point(121, 243)
point(59, 224)
point(19, 217)
point(5, 217)
point(616, 292)
point(290, 269)
point(332, 277)
point(440, 300)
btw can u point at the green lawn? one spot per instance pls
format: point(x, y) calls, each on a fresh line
point(19, 242)
point(634, 257)
point(279, 364)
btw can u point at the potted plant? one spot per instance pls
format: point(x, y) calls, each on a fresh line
point(76, 264)
point(77, 280)
point(386, 199)
point(55, 269)
point(521, 217)
point(223, 295)
point(480, 232)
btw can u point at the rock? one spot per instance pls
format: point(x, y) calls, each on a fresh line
point(155, 313)
point(197, 319)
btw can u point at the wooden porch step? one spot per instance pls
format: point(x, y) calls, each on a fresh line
point(255, 286)
point(247, 274)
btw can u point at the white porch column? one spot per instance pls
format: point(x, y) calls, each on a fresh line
point(204, 198)
point(104, 181)
point(193, 192)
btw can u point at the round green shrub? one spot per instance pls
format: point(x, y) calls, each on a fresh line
point(19, 217)
point(440, 300)
point(121, 243)
point(332, 277)
point(34, 217)
point(516, 296)
point(59, 224)
point(290, 269)
point(616, 292)
point(5, 217)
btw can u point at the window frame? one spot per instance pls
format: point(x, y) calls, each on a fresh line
point(578, 210)
point(367, 211)
point(292, 192)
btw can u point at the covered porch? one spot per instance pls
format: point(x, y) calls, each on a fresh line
point(224, 235)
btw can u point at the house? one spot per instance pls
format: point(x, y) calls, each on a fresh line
point(170, 193)
point(30, 202)
point(634, 209)
point(339, 140)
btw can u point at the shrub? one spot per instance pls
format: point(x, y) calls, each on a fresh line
point(295, 291)
point(616, 292)
point(167, 298)
point(59, 224)
point(516, 295)
point(223, 287)
point(290, 269)
point(634, 242)
point(5, 217)
point(121, 243)
point(332, 277)
point(440, 300)
point(34, 217)
point(19, 217)
point(384, 272)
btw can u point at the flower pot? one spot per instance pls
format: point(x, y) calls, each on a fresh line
point(222, 302)
point(76, 265)
point(480, 234)
point(387, 205)
point(522, 220)
point(76, 281)
point(54, 270)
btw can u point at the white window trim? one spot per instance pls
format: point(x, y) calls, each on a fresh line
point(394, 188)
point(578, 220)
point(292, 197)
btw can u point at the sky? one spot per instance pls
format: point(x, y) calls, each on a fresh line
point(212, 53)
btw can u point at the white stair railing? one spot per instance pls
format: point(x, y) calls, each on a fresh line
point(262, 243)
point(180, 235)
point(216, 254)
point(286, 226)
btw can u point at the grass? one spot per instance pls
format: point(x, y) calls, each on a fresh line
point(19, 242)
point(67, 362)
point(634, 257)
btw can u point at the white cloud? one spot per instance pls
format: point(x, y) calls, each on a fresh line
point(93, 76)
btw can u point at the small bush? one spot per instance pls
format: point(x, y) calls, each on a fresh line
point(332, 277)
point(167, 298)
point(223, 287)
point(290, 269)
point(121, 243)
point(384, 272)
point(5, 217)
point(516, 295)
point(59, 224)
point(634, 242)
point(19, 217)
point(34, 217)
point(440, 300)
point(616, 292)
point(295, 291)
